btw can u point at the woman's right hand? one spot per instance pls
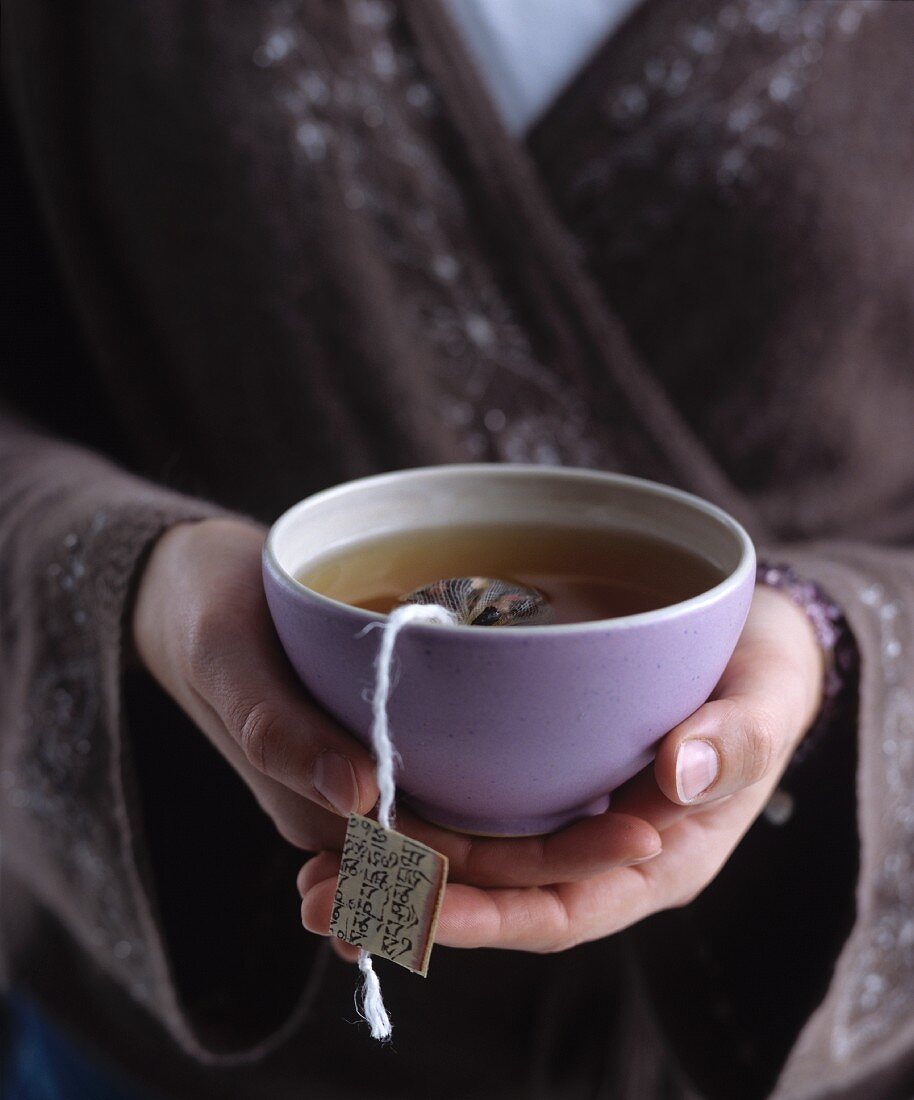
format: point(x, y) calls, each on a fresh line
point(202, 628)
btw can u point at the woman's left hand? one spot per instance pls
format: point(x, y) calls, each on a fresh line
point(712, 776)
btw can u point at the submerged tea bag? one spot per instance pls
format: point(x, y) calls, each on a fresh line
point(484, 601)
point(390, 887)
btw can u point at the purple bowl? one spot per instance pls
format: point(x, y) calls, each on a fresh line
point(511, 731)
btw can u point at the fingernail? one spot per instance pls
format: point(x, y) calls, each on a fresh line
point(643, 859)
point(334, 779)
point(697, 765)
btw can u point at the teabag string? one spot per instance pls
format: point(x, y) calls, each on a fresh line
point(373, 1009)
point(470, 601)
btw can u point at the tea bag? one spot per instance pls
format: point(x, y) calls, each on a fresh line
point(484, 601)
point(379, 908)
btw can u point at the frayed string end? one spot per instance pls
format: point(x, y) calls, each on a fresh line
point(373, 1009)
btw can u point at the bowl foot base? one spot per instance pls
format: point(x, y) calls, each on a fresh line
point(507, 827)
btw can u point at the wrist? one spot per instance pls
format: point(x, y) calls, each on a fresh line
point(145, 609)
point(174, 578)
point(831, 636)
point(806, 655)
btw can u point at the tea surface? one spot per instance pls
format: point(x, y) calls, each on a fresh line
point(586, 574)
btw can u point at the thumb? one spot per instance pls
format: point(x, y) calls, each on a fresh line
point(723, 747)
point(767, 697)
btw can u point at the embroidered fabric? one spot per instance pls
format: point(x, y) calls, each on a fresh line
point(368, 108)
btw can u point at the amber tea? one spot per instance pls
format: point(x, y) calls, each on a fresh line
point(585, 573)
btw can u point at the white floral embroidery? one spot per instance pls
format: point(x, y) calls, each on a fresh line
point(63, 767)
point(880, 990)
point(448, 290)
point(755, 115)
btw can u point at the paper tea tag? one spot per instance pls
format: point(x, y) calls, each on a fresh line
point(388, 894)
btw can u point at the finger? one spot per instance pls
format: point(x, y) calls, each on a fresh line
point(280, 731)
point(299, 821)
point(322, 866)
point(541, 919)
point(556, 917)
point(744, 734)
point(319, 870)
point(325, 867)
point(233, 664)
point(346, 951)
point(642, 797)
point(724, 747)
point(578, 851)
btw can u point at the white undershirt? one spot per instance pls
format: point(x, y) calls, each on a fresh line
point(527, 51)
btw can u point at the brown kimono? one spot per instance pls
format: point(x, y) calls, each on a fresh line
point(264, 247)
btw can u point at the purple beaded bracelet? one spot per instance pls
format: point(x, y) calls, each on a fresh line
point(833, 635)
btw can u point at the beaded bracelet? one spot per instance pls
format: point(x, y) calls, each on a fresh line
point(833, 635)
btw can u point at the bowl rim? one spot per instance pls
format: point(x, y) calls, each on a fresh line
point(733, 581)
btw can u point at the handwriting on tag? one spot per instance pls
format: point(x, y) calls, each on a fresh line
point(388, 894)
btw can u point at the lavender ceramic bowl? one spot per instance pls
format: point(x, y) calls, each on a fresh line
point(512, 731)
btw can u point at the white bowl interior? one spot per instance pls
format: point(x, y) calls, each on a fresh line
point(502, 494)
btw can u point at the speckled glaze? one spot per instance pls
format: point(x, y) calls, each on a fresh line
point(522, 730)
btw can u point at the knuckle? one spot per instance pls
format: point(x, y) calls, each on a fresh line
point(730, 714)
point(469, 857)
point(565, 931)
point(758, 745)
point(257, 730)
point(202, 637)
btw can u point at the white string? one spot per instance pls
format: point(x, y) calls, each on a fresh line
point(373, 1009)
